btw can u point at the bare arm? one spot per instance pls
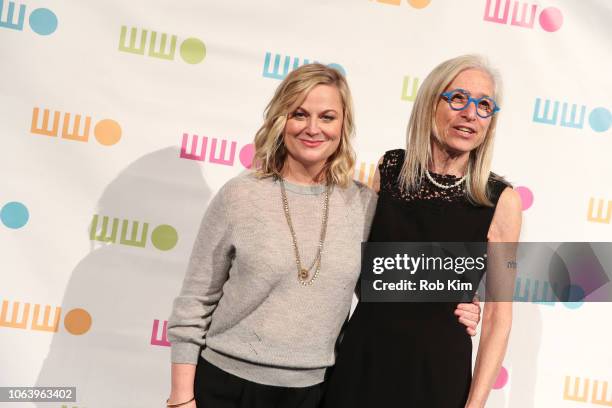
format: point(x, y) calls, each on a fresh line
point(497, 316)
point(183, 376)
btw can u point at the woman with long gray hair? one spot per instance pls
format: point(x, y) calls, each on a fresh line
point(439, 189)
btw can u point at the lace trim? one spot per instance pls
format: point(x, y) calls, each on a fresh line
point(390, 170)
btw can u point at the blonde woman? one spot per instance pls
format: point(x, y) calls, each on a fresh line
point(276, 259)
point(440, 189)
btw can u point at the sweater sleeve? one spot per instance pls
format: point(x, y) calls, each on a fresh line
point(208, 270)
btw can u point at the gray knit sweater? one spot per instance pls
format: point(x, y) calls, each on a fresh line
point(241, 304)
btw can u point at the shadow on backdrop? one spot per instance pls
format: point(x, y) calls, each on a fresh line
point(127, 284)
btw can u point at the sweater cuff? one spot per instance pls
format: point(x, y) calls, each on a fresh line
point(184, 353)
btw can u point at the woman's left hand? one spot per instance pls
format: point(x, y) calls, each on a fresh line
point(469, 315)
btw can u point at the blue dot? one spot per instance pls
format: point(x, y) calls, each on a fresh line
point(338, 67)
point(14, 215)
point(600, 119)
point(575, 296)
point(43, 21)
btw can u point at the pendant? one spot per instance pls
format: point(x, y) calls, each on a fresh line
point(303, 274)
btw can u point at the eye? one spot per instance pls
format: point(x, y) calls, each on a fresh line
point(298, 114)
point(458, 97)
point(328, 118)
point(486, 105)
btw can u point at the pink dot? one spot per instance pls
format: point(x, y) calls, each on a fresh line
point(526, 196)
point(551, 19)
point(246, 155)
point(502, 379)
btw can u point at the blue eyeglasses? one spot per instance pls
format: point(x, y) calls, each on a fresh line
point(459, 99)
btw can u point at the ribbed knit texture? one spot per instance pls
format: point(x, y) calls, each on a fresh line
point(242, 305)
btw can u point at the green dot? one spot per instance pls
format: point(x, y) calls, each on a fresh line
point(164, 237)
point(193, 50)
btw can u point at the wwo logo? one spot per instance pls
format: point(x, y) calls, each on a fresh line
point(587, 390)
point(42, 20)
point(273, 69)
point(76, 321)
point(192, 50)
point(75, 127)
point(523, 15)
point(163, 237)
point(571, 116)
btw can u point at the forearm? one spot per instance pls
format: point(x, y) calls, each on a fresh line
point(491, 350)
point(183, 376)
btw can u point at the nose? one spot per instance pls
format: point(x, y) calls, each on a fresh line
point(312, 128)
point(469, 112)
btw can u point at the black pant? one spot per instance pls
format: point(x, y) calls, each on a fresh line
point(215, 388)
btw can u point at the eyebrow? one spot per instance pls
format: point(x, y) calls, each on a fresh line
point(469, 93)
point(325, 111)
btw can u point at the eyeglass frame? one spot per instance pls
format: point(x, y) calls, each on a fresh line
point(448, 94)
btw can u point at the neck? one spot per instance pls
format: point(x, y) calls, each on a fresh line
point(448, 162)
point(298, 173)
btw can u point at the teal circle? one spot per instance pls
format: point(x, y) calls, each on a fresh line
point(14, 215)
point(337, 67)
point(43, 21)
point(193, 51)
point(575, 296)
point(600, 119)
point(164, 237)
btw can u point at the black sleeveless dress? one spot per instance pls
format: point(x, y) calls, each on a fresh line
point(411, 355)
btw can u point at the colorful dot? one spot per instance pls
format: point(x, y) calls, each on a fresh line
point(43, 21)
point(14, 215)
point(419, 3)
point(77, 321)
point(502, 379)
point(164, 237)
point(193, 50)
point(600, 119)
point(246, 155)
point(574, 295)
point(107, 132)
point(551, 19)
point(526, 197)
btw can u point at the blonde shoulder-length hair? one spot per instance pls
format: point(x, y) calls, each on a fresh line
point(422, 128)
point(270, 151)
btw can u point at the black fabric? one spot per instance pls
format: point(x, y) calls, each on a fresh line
point(411, 355)
point(215, 388)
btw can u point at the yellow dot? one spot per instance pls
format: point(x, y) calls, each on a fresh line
point(419, 3)
point(77, 321)
point(107, 132)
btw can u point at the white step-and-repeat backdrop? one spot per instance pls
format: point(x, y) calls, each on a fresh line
point(120, 120)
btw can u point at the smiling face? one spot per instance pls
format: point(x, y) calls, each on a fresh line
point(314, 129)
point(463, 131)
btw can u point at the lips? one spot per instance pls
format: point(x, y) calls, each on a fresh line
point(465, 130)
point(311, 143)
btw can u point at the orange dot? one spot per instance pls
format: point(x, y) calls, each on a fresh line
point(419, 3)
point(77, 321)
point(107, 132)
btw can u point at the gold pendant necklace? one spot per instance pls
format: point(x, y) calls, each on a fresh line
point(302, 272)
